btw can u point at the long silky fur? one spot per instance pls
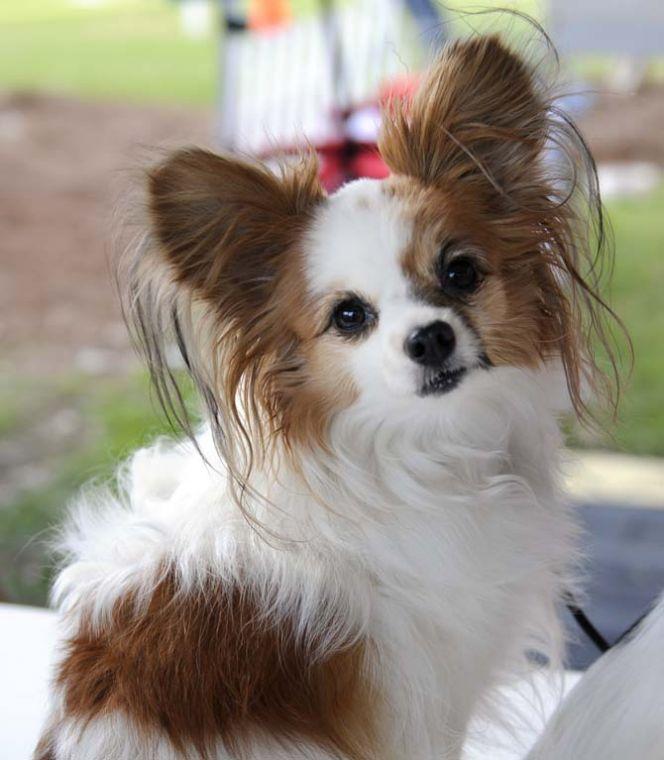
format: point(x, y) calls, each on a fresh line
point(429, 540)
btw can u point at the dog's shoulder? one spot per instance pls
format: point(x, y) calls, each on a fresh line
point(208, 666)
point(172, 634)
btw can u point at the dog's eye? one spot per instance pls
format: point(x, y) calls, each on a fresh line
point(350, 315)
point(461, 276)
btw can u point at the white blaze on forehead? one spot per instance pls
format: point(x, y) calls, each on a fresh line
point(357, 241)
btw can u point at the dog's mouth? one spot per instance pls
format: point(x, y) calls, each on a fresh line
point(442, 381)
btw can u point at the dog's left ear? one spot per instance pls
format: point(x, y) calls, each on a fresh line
point(477, 116)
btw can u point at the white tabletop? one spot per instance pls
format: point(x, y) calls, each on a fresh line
point(27, 637)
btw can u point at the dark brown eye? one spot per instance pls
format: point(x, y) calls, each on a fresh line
point(461, 276)
point(350, 315)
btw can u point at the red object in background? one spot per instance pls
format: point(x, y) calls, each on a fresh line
point(316, 78)
point(356, 155)
point(343, 162)
point(368, 162)
point(331, 170)
point(264, 15)
point(399, 88)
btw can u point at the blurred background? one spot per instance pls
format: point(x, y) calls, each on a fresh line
point(88, 87)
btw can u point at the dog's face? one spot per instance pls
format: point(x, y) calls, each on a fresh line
point(412, 292)
point(393, 307)
point(387, 293)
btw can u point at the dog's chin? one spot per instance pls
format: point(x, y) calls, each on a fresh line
point(442, 381)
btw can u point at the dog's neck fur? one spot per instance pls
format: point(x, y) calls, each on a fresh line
point(444, 530)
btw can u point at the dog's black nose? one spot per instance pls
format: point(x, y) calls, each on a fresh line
point(431, 345)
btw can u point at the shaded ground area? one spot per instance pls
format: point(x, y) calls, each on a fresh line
point(72, 400)
point(624, 127)
point(625, 573)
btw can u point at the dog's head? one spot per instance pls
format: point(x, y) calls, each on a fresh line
point(291, 307)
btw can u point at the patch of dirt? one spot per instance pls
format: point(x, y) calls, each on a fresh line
point(63, 167)
point(63, 164)
point(625, 127)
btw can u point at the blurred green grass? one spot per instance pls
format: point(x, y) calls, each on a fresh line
point(122, 49)
point(636, 295)
point(129, 50)
point(134, 50)
point(117, 414)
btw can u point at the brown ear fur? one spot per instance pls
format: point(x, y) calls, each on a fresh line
point(223, 223)
point(476, 115)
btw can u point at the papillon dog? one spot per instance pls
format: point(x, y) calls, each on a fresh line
point(367, 537)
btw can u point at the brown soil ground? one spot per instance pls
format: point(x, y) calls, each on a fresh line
point(623, 127)
point(63, 166)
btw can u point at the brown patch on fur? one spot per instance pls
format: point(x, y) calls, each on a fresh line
point(467, 154)
point(208, 668)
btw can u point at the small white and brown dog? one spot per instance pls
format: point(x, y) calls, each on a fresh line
point(367, 536)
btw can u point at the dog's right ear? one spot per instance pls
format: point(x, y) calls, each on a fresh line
point(477, 116)
point(223, 224)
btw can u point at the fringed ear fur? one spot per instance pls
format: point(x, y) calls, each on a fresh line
point(223, 224)
point(476, 115)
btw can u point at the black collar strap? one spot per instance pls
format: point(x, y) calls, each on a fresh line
point(589, 629)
